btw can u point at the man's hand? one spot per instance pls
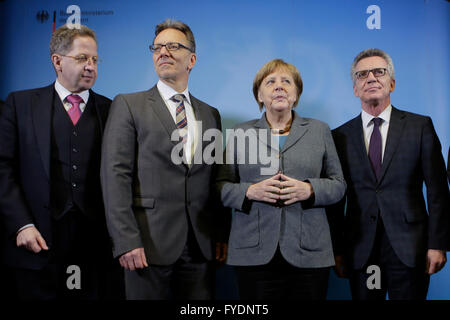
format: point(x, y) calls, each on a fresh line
point(267, 190)
point(134, 259)
point(294, 190)
point(436, 260)
point(340, 268)
point(31, 239)
point(221, 251)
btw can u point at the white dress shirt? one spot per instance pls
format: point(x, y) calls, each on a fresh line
point(367, 124)
point(167, 93)
point(63, 93)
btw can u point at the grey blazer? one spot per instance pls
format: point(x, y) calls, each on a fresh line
point(150, 200)
point(300, 229)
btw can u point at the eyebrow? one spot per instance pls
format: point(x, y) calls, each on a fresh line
point(373, 68)
point(282, 78)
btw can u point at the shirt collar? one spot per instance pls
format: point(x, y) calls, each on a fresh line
point(385, 115)
point(63, 92)
point(168, 92)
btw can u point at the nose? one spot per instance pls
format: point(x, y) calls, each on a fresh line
point(371, 77)
point(164, 51)
point(279, 86)
point(90, 65)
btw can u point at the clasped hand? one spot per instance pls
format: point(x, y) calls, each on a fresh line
point(280, 187)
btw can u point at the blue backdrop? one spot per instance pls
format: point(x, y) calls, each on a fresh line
point(234, 39)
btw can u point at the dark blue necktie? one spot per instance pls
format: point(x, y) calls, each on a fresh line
point(375, 147)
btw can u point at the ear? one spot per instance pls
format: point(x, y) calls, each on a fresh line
point(355, 92)
point(192, 61)
point(392, 85)
point(260, 96)
point(56, 61)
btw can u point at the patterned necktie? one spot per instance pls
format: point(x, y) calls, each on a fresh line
point(74, 111)
point(375, 147)
point(180, 116)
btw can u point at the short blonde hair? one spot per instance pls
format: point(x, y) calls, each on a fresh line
point(272, 66)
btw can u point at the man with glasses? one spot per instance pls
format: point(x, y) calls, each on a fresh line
point(50, 194)
point(160, 210)
point(386, 155)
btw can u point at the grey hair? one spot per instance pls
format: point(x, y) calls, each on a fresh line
point(177, 25)
point(62, 39)
point(373, 53)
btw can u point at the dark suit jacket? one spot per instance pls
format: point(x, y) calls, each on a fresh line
point(448, 165)
point(412, 156)
point(25, 140)
point(149, 199)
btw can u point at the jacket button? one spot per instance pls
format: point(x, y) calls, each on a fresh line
point(373, 218)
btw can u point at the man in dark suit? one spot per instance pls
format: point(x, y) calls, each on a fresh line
point(386, 155)
point(448, 165)
point(159, 205)
point(6, 289)
point(50, 194)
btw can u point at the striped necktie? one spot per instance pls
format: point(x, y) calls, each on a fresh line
point(180, 116)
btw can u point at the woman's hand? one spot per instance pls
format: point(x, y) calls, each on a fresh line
point(267, 190)
point(293, 190)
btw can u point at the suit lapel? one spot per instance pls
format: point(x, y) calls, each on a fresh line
point(265, 135)
point(396, 126)
point(157, 104)
point(202, 115)
point(100, 112)
point(357, 136)
point(41, 109)
point(298, 129)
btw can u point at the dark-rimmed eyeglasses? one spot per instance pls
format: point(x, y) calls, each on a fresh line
point(377, 72)
point(171, 46)
point(82, 59)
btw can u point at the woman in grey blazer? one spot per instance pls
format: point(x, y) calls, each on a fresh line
point(279, 173)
